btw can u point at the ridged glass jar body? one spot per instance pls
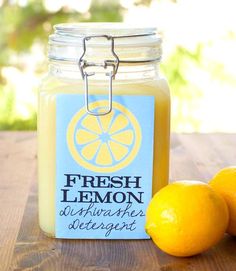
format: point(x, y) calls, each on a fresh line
point(64, 78)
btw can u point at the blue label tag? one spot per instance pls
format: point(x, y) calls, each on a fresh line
point(103, 166)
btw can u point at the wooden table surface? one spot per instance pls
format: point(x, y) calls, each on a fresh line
point(24, 247)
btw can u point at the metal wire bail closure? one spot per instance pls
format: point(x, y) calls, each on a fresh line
point(113, 63)
point(83, 64)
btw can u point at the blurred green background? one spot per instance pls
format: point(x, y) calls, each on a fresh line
point(199, 55)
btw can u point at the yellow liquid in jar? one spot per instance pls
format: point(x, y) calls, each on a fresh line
point(47, 138)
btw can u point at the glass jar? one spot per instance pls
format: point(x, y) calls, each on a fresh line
point(103, 131)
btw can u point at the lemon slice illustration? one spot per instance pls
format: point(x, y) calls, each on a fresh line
point(104, 143)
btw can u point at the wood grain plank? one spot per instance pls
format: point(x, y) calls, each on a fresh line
point(204, 153)
point(192, 157)
point(225, 144)
point(17, 169)
point(208, 153)
point(181, 164)
point(34, 251)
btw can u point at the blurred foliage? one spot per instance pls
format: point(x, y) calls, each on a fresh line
point(30, 22)
point(20, 28)
point(24, 25)
point(143, 2)
point(174, 69)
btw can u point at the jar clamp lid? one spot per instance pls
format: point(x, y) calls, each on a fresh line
point(70, 33)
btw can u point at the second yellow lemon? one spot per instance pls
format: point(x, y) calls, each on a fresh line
point(186, 218)
point(224, 182)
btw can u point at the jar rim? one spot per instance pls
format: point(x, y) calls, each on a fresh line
point(103, 27)
point(67, 41)
point(73, 32)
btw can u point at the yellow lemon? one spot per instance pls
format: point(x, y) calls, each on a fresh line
point(186, 218)
point(224, 182)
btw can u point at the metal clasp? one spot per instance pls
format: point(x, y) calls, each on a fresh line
point(83, 64)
